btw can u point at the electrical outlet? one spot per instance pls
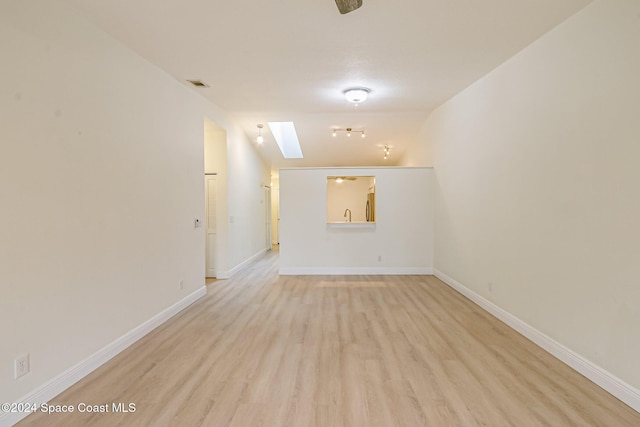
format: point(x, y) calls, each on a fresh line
point(181, 284)
point(21, 366)
point(379, 258)
point(490, 286)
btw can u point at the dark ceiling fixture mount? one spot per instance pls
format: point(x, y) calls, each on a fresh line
point(198, 83)
point(349, 131)
point(346, 6)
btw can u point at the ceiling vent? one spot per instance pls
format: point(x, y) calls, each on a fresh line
point(198, 83)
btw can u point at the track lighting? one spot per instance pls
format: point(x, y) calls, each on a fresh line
point(349, 131)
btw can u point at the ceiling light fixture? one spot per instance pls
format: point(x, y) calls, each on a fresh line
point(356, 95)
point(260, 138)
point(349, 131)
point(341, 179)
point(387, 149)
point(198, 83)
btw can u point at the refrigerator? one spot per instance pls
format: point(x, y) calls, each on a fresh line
point(371, 207)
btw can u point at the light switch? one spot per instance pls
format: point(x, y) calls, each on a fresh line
point(197, 223)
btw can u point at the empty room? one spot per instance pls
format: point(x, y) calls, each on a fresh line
point(319, 213)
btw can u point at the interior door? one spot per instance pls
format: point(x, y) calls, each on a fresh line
point(275, 216)
point(211, 190)
point(267, 216)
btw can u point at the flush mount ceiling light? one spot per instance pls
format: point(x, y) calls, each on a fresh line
point(356, 95)
point(349, 131)
point(260, 139)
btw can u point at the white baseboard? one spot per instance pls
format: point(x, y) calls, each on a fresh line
point(609, 382)
point(242, 265)
point(314, 271)
point(74, 374)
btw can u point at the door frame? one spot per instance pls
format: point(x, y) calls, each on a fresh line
point(211, 270)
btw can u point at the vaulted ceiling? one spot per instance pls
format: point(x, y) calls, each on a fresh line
point(291, 60)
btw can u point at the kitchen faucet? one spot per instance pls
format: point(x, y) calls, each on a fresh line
point(345, 214)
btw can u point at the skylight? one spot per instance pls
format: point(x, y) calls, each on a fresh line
point(287, 139)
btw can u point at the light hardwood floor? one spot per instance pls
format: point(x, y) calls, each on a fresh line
point(331, 351)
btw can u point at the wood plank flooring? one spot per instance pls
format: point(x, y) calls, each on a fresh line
point(337, 351)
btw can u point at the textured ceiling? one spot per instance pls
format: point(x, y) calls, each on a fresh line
point(290, 60)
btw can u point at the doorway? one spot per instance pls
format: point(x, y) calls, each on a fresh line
point(215, 200)
point(211, 196)
point(267, 216)
point(275, 209)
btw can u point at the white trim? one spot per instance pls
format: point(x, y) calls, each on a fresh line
point(312, 271)
point(609, 382)
point(57, 385)
point(244, 264)
point(354, 167)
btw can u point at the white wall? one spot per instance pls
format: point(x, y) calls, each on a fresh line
point(402, 235)
point(246, 223)
point(420, 152)
point(101, 178)
point(538, 186)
